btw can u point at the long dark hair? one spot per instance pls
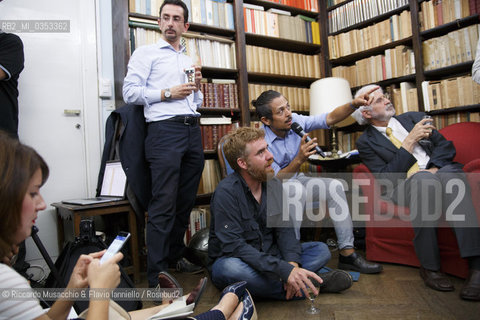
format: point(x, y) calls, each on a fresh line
point(18, 164)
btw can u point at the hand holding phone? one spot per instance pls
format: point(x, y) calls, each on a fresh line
point(115, 246)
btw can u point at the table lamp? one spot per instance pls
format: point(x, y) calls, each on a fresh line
point(325, 95)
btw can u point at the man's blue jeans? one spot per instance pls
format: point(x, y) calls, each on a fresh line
point(226, 271)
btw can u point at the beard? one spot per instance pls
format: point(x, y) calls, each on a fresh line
point(261, 174)
point(386, 115)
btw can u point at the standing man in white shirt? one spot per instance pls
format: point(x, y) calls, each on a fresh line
point(157, 80)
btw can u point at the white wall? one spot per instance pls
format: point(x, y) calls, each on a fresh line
point(62, 71)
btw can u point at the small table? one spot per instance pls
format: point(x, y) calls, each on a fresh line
point(77, 212)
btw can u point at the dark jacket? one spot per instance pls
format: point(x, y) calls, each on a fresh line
point(131, 152)
point(380, 155)
point(238, 228)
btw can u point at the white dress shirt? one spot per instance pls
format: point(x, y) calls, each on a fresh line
point(399, 132)
point(153, 68)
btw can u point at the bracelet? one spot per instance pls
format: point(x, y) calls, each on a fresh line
point(352, 106)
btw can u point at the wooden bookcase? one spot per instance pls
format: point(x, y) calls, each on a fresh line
point(415, 42)
point(242, 39)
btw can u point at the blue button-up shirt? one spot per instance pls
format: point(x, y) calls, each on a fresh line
point(153, 68)
point(285, 149)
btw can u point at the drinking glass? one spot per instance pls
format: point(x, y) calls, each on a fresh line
point(311, 296)
point(426, 142)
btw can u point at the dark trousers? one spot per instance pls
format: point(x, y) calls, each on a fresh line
point(175, 155)
point(426, 205)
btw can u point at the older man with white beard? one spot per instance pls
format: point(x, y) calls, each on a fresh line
point(391, 148)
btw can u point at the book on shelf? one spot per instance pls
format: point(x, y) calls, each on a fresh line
point(451, 92)
point(299, 98)
point(266, 60)
point(212, 133)
point(408, 95)
point(215, 120)
point(435, 13)
point(278, 11)
point(358, 11)
point(210, 177)
point(453, 48)
point(219, 93)
point(199, 219)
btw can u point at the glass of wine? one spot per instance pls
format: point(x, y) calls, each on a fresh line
point(311, 296)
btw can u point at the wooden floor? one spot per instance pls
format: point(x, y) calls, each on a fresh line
point(397, 293)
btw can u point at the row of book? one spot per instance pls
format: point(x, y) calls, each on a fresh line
point(395, 28)
point(210, 177)
point(205, 50)
point(266, 60)
point(346, 140)
point(358, 11)
point(396, 62)
point(453, 48)
point(309, 5)
point(211, 134)
point(199, 219)
point(280, 24)
point(217, 13)
point(298, 98)
point(219, 93)
point(449, 93)
point(404, 98)
point(443, 120)
point(437, 12)
point(210, 51)
point(149, 7)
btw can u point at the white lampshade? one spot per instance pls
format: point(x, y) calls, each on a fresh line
point(328, 93)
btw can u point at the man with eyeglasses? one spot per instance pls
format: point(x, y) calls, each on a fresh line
point(157, 80)
point(290, 152)
point(419, 173)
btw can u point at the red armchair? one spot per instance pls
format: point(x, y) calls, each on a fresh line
point(394, 244)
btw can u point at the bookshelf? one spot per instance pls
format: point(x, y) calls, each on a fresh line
point(427, 25)
point(243, 74)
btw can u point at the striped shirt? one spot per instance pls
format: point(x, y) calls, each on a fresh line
point(16, 309)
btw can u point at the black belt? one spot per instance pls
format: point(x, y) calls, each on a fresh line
point(186, 120)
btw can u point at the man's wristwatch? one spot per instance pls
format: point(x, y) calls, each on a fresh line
point(167, 94)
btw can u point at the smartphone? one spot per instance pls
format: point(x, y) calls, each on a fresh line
point(115, 246)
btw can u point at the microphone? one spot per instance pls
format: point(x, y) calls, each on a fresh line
point(299, 130)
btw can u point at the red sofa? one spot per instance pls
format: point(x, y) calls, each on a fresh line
point(394, 244)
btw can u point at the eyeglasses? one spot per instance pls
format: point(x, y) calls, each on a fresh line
point(382, 99)
point(282, 110)
point(176, 19)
